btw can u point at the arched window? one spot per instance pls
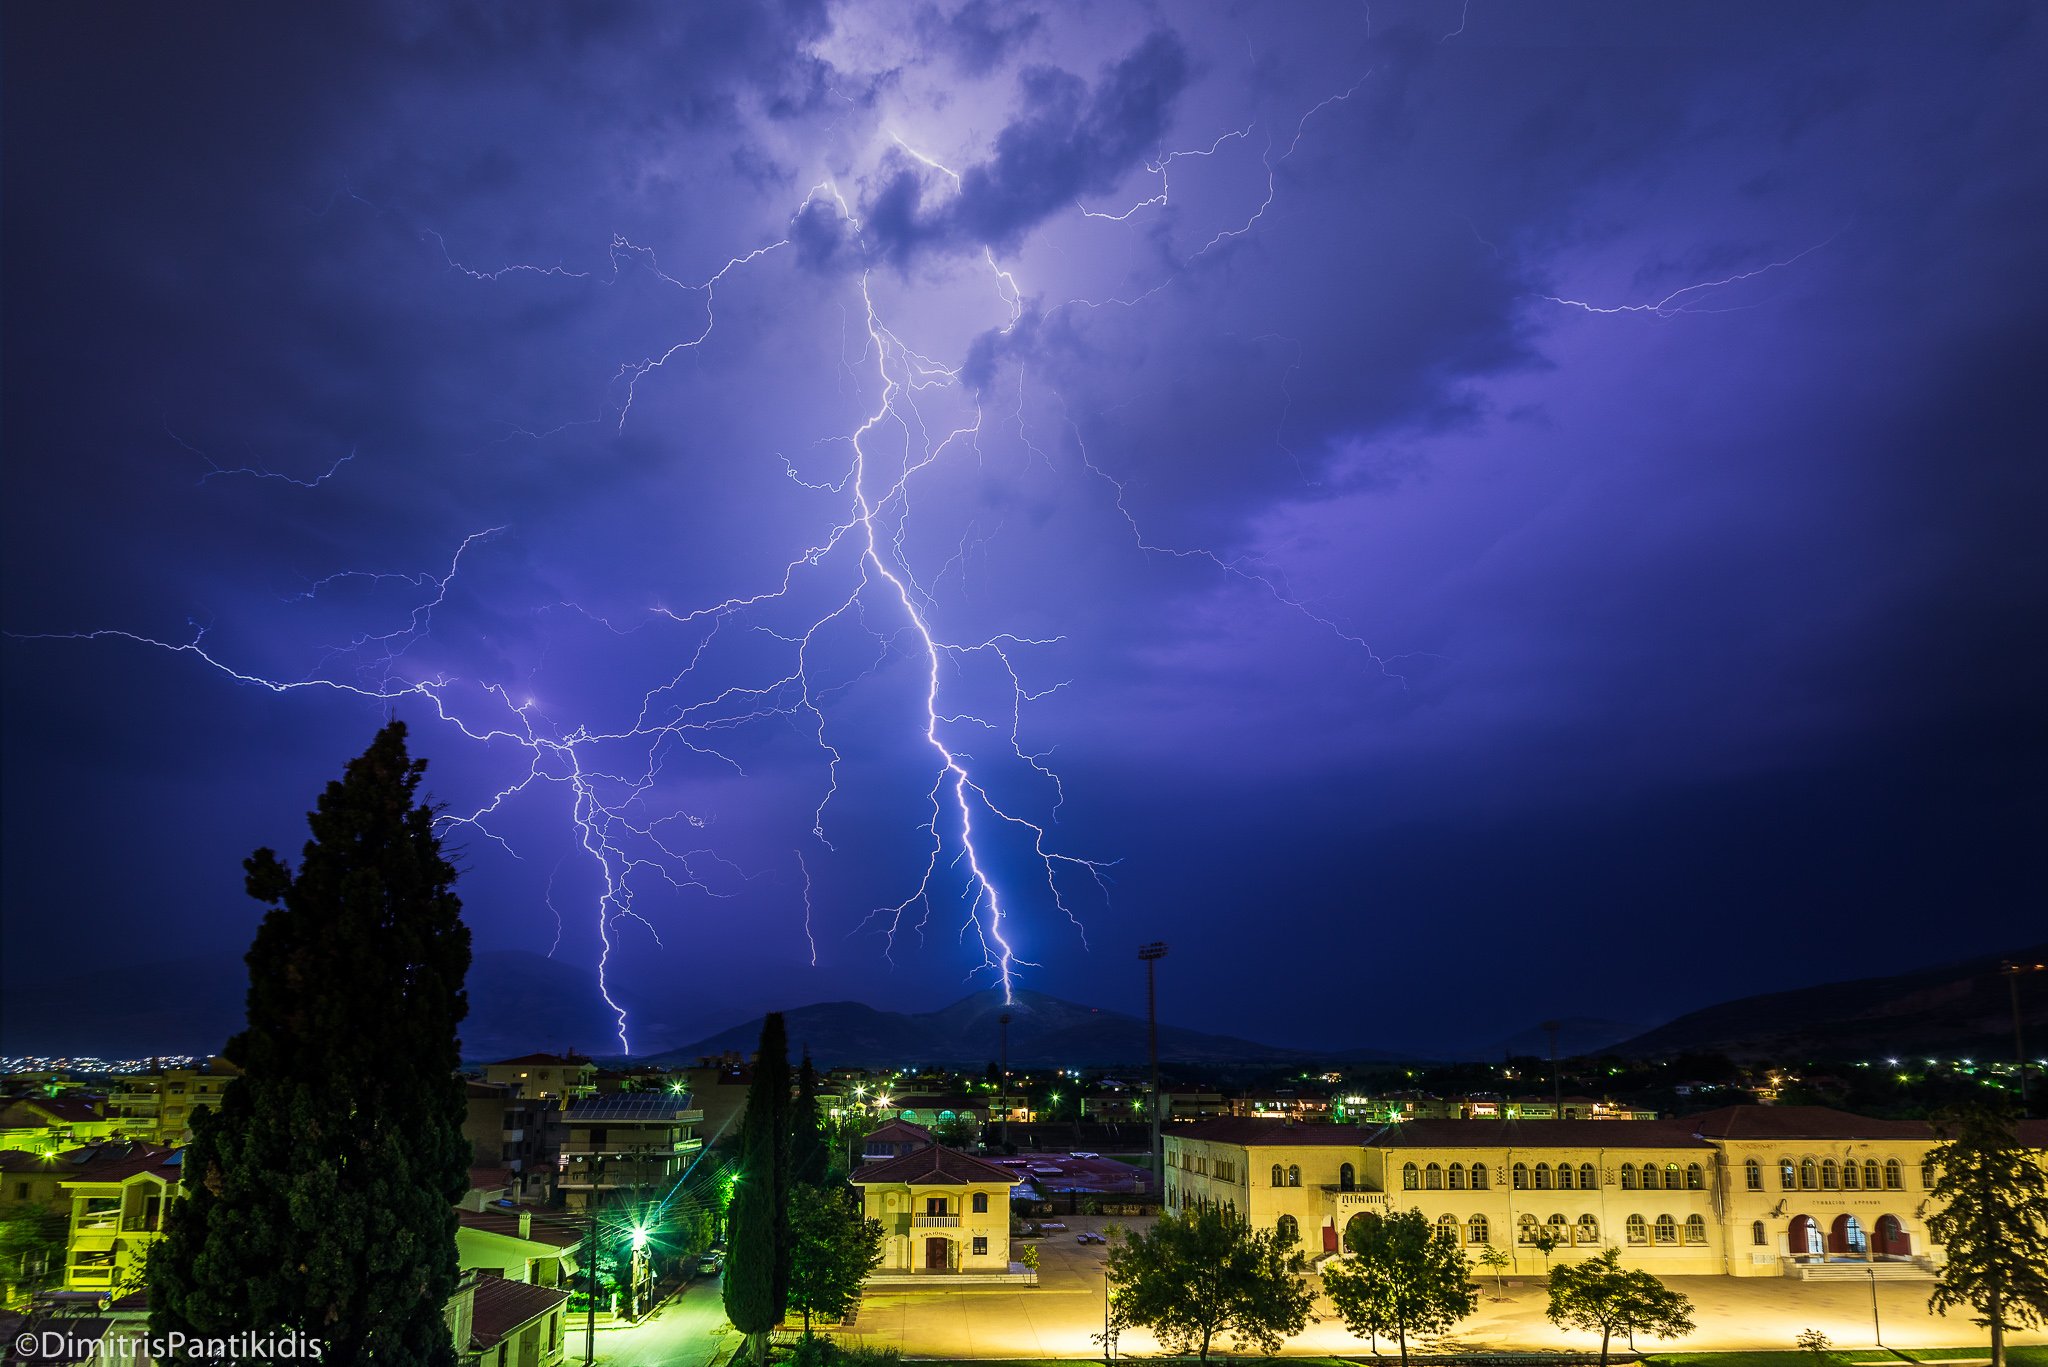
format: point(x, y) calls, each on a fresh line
point(1456, 1174)
point(1852, 1176)
point(1786, 1177)
point(1695, 1229)
point(1411, 1177)
point(1560, 1229)
point(1543, 1177)
point(1667, 1230)
point(1279, 1178)
point(1433, 1177)
point(1650, 1182)
point(980, 1203)
point(1447, 1228)
point(1564, 1177)
point(1477, 1231)
point(1588, 1230)
point(1894, 1176)
point(1293, 1175)
point(1589, 1177)
point(1347, 1178)
point(1756, 1233)
point(1695, 1177)
point(1830, 1175)
point(1927, 1173)
point(1638, 1232)
point(1525, 1229)
point(1289, 1230)
point(1479, 1177)
point(1628, 1177)
point(1809, 1175)
point(1521, 1175)
point(1672, 1180)
point(1870, 1177)
point(1753, 1175)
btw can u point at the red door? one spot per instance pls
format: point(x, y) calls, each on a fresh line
point(1805, 1238)
point(1893, 1241)
point(935, 1255)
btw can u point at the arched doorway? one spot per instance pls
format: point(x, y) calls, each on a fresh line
point(1846, 1236)
point(1349, 1225)
point(1892, 1240)
point(1805, 1240)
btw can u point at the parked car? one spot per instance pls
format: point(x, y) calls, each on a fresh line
point(709, 1265)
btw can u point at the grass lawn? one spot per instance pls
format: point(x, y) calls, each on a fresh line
point(2021, 1355)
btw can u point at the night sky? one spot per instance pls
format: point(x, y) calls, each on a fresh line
point(1489, 511)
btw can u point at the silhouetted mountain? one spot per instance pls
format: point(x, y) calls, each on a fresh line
point(518, 1002)
point(1577, 1036)
point(1957, 1009)
point(1045, 1032)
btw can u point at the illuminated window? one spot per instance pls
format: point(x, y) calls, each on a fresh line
point(1525, 1229)
point(1753, 1175)
point(1671, 1178)
point(1695, 1177)
point(1588, 1231)
point(1628, 1177)
point(1787, 1178)
point(1695, 1229)
point(1477, 1231)
point(1809, 1175)
point(1411, 1177)
point(1521, 1171)
point(1433, 1177)
point(981, 1243)
point(1638, 1232)
point(1293, 1176)
point(1667, 1230)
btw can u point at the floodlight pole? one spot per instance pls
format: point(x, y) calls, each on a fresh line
point(1151, 954)
point(1003, 1076)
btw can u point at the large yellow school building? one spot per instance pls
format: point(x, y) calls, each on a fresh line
point(1746, 1191)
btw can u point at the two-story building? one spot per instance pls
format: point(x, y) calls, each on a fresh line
point(113, 1197)
point(557, 1077)
point(52, 1124)
point(942, 1212)
point(626, 1145)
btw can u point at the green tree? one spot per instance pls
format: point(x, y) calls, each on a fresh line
point(1497, 1261)
point(1202, 1272)
point(1601, 1294)
point(1401, 1279)
point(756, 1283)
point(32, 1243)
point(832, 1248)
point(1994, 1223)
point(810, 1155)
point(1545, 1239)
point(954, 1130)
point(321, 1196)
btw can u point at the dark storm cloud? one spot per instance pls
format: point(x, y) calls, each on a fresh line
point(1068, 139)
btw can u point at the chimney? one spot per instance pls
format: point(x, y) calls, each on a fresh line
point(526, 1224)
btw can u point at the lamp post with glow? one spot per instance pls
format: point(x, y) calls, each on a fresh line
point(1151, 954)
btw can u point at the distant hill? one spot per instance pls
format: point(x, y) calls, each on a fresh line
point(1577, 1036)
point(1957, 1009)
point(1045, 1032)
point(519, 1002)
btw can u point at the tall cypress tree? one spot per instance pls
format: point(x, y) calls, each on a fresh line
point(320, 1197)
point(810, 1160)
point(756, 1285)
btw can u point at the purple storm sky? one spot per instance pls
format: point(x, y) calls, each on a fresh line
point(1489, 511)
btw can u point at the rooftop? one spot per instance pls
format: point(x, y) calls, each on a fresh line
point(630, 1106)
point(502, 1306)
point(544, 1228)
point(933, 1165)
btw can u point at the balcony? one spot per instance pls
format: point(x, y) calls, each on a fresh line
point(935, 1222)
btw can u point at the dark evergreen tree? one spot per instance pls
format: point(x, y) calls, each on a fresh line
point(1993, 1222)
point(321, 1196)
point(756, 1285)
point(810, 1154)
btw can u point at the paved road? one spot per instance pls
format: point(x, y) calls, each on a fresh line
point(689, 1331)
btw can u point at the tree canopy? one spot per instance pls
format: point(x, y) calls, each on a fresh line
point(832, 1248)
point(1202, 1272)
point(321, 1196)
point(1401, 1279)
point(1993, 1222)
point(756, 1283)
point(1600, 1294)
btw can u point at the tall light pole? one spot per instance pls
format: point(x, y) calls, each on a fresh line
point(2013, 971)
point(1003, 1076)
point(1151, 954)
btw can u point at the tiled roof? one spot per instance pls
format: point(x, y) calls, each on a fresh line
point(66, 1110)
point(1801, 1122)
point(98, 1162)
point(654, 1106)
point(502, 1306)
point(934, 1165)
point(1537, 1134)
point(899, 1132)
point(489, 1179)
point(1250, 1131)
point(544, 1228)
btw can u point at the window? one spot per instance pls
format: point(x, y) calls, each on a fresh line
point(1588, 1230)
point(1479, 1177)
point(1638, 1232)
point(1411, 1177)
point(1543, 1177)
point(935, 1205)
point(1695, 1229)
point(1564, 1177)
point(1447, 1228)
point(1667, 1230)
point(1786, 1179)
point(1650, 1182)
point(1589, 1177)
point(1433, 1177)
point(1753, 1175)
point(1870, 1178)
point(1809, 1175)
point(1347, 1178)
point(1525, 1229)
point(981, 1203)
point(1695, 1177)
point(1927, 1173)
point(1293, 1175)
point(1830, 1175)
point(503, 1348)
point(1279, 1176)
point(1521, 1171)
point(981, 1244)
point(1671, 1178)
point(1477, 1231)
point(1289, 1230)
point(1756, 1233)
point(1628, 1177)
point(1894, 1176)
point(1852, 1176)
point(21, 1191)
point(1559, 1229)
point(1457, 1176)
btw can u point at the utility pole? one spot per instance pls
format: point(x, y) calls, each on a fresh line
point(1003, 1075)
point(2013, 972)
point(1151, 954)
point(590, 1307)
